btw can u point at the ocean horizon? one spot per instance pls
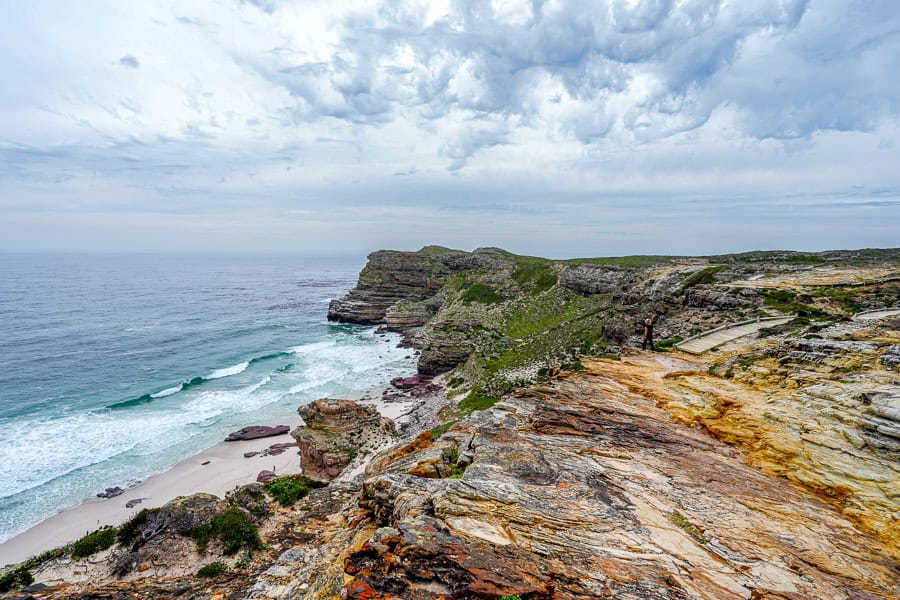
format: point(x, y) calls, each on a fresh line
point(114, 367)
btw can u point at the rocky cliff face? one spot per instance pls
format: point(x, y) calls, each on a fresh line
point(498, 319)
point(585, 487)
point(335, 432)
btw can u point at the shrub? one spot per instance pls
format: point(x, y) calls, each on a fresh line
point(18, 577)
point(212, 569)
point(511, 597)
point(233, 528)
point(94, 542)
point(703, 276)
point(290, 488)
point(135, 529)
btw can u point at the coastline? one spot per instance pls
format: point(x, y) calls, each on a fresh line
point(215, 470)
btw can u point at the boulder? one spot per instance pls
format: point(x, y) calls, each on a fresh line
point(335, 432)
point(254, 432)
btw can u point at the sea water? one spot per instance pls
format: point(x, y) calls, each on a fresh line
point(116, 367)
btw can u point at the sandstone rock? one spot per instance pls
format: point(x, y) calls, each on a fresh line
point(266, 476)
point(442, 354)
point(335, 432)
point(583, 489)
point(256, 431)
point(589, 278)
point(406, 383)
point(715, 298)
point(389, 277)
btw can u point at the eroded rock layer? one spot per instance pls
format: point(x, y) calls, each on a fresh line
point(335, 432)
point(585, 489)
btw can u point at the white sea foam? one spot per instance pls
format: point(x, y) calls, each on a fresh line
point(84, 452)
point(228, 371)
point(168, 391)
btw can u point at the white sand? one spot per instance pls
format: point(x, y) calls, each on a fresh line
point(226, 469)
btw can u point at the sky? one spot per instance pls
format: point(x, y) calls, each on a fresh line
point(556, 128)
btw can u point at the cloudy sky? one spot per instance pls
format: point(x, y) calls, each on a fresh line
point(555, 127)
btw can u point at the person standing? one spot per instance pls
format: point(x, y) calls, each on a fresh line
point(648, 332)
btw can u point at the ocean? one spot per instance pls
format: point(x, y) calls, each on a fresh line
point(115, 367)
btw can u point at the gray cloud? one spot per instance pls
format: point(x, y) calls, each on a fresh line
point(753, 123)
point(129, 61)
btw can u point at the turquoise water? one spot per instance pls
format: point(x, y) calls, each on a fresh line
point(113, 368)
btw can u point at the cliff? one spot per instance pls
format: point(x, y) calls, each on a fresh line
point(571, 465)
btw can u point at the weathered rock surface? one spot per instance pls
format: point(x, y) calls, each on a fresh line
point(588, 278)
point(254, 432)
point(583, 489)
point(335, 432)
point(389, 277)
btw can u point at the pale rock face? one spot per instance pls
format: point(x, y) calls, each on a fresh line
point(583, 488)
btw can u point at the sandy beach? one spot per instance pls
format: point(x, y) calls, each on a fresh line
point(216, 470)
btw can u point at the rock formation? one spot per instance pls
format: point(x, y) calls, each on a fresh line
point(254, 432)
point(335, 432)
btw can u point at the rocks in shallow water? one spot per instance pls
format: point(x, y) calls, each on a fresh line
point(335, 432)
point(111, 492)
point(257, 431)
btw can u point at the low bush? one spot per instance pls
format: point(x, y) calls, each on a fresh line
point(703, 276)
point(212, 569)
point(18, 577)
point(290, 488)
point(94, 542)
point(134, 530)
point(233, 528)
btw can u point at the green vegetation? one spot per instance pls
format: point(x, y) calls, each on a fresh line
point(666, 344)
point(477, 292)
point(290, 488)
point(788, 302)
point(632, 262)
point(455, 382)
point(133, 528)
point(442, 429)
point(746, 363)
point(511, 597)
point(695, 532)
point(476, 401)
point(703, 276)
point(450, 457)
point(233, 528)
point(94, 542)
point(16, 578)
point(21, 575)
point(534, 275)
point(212, 569)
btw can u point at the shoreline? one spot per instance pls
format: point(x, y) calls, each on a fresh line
point(215, 470)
